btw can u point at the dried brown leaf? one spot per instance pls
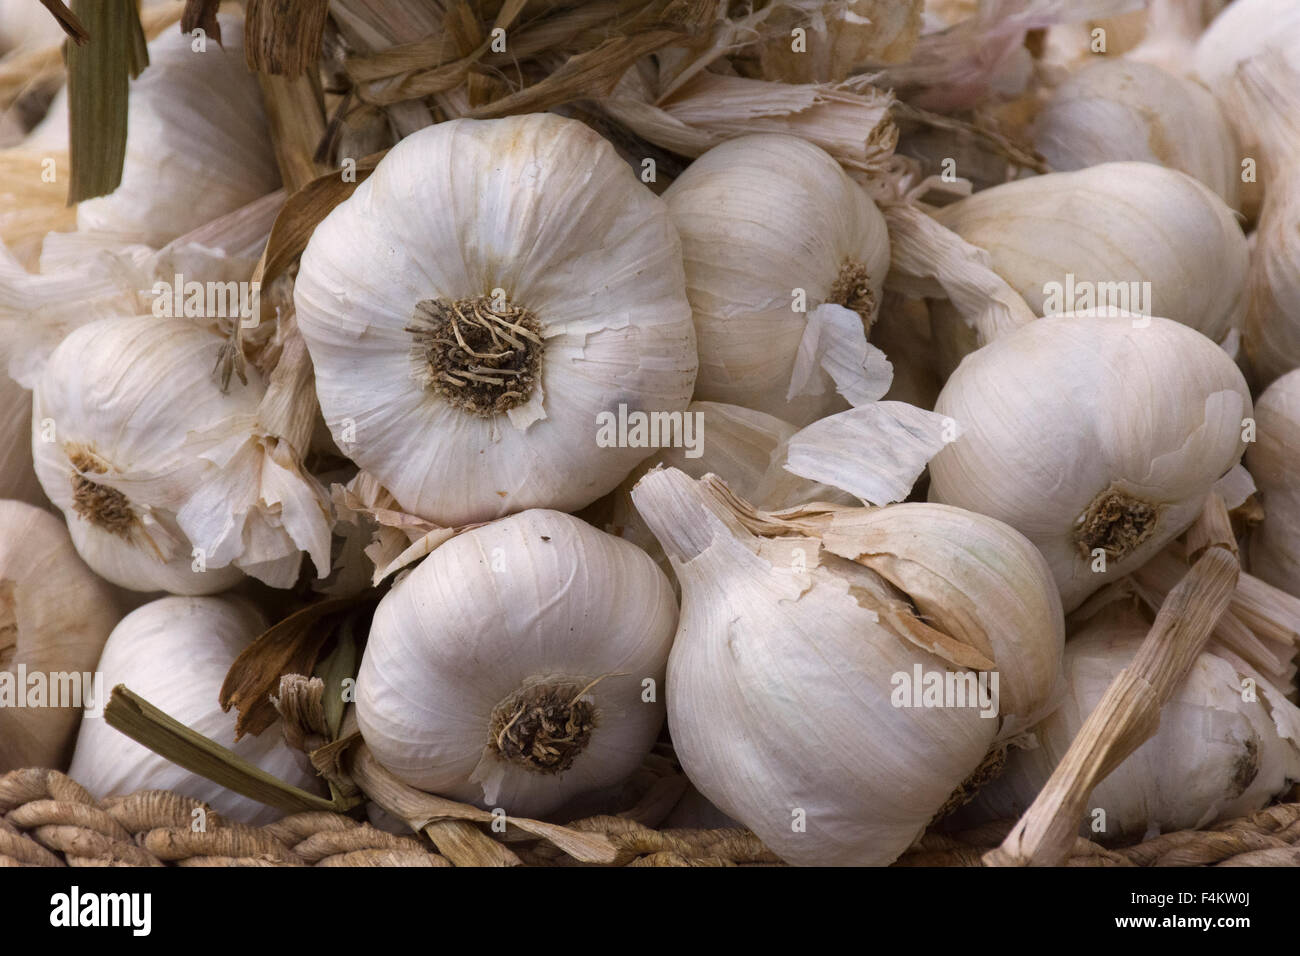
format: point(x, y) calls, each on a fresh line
point(290, 647)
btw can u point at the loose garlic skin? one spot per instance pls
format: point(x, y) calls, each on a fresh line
point(760, 218)
point(1118, 110)
point(1085, 432)
point(537, 610)
point(1213, 757)
point(175, 653)
point(1274, 462)
point(112, 412)
point(539, 226)
point(1113, 223)
point(55, 616)
point(195, 118)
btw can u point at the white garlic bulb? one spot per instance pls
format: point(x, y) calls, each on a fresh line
point(1097, 436)
point(1241, 32)
point(1215, 755)
point(1116, 110)
point(772, 228)
point(1270, 86)
point(1274, 462)
point(55, 616)
point(469, 327)
point(520, 665)
point(166, 482)
point(25, 25)
point(1152, 238)
point(197, 142)
point(794, 643)
point(175, 653)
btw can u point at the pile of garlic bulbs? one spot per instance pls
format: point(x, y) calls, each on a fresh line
point(818, 405)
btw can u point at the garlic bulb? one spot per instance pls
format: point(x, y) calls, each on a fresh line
point(166, 481)
point(197, 142)
point(1097, 436)
point(25, 25)
point(772, 229)
point(1241, 32)
point(779, 682)
point(465, 357)
point(1152, 238)
point(1115, 110)
point(1215, 755)
point(175, 653)
point(1272, 461)
point(1270, 86)
point(521, 664)
point(54, 619)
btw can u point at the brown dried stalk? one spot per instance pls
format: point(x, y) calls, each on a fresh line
point(1129, 712)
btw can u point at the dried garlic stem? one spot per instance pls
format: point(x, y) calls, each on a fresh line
point(451, 826)
point(1129, 713)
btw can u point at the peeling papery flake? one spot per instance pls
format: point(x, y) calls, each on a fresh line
point(928, 259)
point(259, 510)
point(1235, 486)
point(835, 341)
point(875, 452)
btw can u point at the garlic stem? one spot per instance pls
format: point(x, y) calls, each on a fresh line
point(1129, 712)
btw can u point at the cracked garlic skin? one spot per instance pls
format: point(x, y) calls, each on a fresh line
point(520, 665)
point(55, 616)
point(481, 298)
point(175, 653)
point(1214, 756)
point(1096, 439)
point(762, 217)
point(782, 675)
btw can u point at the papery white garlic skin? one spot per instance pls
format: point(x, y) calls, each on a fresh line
point(1274, 462)
point(111, 416)
point(779, 698)
point(533, 607)
point(1214, 756)
point(536, 213)
point(1107, 228)
point(765, 219)
point(197, 143)
point(55, 616)
point(175, 653)
point(1089, 432)
point(1119, 110)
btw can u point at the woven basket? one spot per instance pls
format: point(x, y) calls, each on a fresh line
point(47, 819)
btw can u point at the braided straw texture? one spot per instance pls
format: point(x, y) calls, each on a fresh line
point(47, 819)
